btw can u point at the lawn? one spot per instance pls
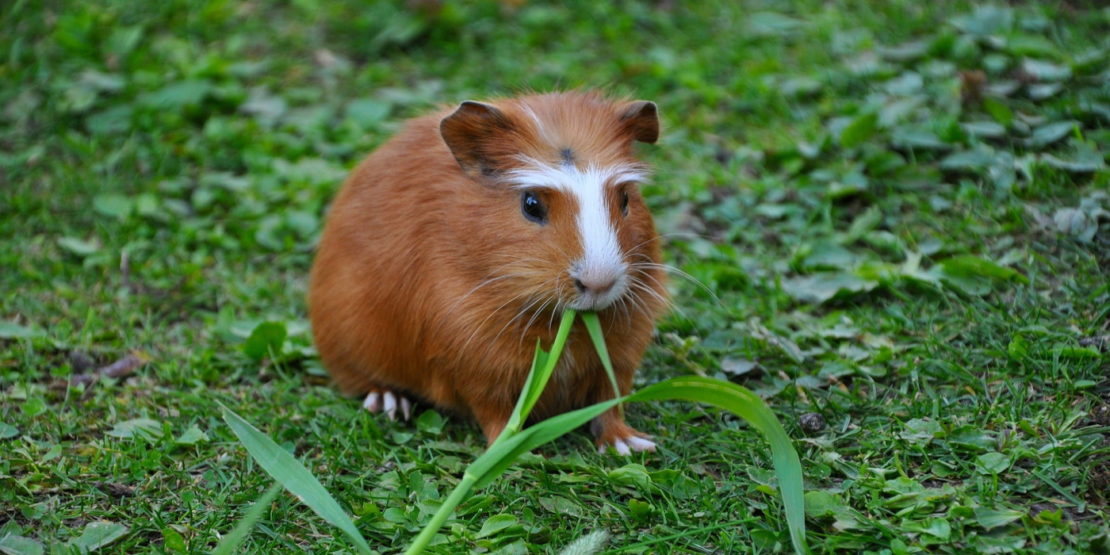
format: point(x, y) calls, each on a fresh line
point(894, 218)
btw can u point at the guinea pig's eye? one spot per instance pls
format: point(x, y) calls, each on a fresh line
point(624, 202)
point(532, 207)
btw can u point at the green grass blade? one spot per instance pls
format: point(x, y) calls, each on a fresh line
point(500, 456)
point(550, 360)
point(748, 405)
point(230, 543)
point(593, 325)
point(290, 473)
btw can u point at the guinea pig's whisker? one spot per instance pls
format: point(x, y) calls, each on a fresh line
point(460, 300)
point(538, 297)
point(673, 270)
point(482, 324)
point(535, 314)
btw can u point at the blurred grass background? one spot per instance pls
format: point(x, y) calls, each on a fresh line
point(900, 208)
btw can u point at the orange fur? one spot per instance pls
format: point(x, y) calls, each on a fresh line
point(429, 281)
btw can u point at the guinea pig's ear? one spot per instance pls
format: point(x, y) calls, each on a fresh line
point(641, 120)
point(468, 133)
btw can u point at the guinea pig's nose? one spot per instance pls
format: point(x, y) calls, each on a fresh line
point(597, 287)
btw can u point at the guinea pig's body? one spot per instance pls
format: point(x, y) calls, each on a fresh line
point(452, 248)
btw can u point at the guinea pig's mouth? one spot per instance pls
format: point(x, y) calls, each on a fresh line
point(599, 298)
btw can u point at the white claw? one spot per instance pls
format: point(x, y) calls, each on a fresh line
point(641, 444)
point(390, 405)
point(601, 450)
point(372, 402)
point(406, 408)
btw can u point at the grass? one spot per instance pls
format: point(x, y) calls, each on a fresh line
point(898, 209)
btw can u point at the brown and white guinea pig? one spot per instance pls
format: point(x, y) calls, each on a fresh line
point(455, 246)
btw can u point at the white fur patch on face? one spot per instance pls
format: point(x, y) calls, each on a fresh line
point(602, 267)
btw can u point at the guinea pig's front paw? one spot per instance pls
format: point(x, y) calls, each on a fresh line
point(624, 439)
point(384, 400)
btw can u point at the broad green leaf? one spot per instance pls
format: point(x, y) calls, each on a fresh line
point(1051, 133)
point(12, 330)
point(192, 436)
point(267, 338)
point(968, 160)
point(1046, 71)
point(80, 247)
point(96, 535)
point(12, 544)
point(1075, 222)
point(116, 206)
point(1083, 159)
point(821, 287)
point(993, 518)
point(229, 544)
point(988, 129)
point(859, 130)
point(175, 96)
point(495, 524)
point(992, 463)
point(293, 476)
point(8, 431)
point(998, 110)
point(143, 428)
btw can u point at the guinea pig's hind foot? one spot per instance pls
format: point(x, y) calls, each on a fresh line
point(381, 399)
point(622, 438)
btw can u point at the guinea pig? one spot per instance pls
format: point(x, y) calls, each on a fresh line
point(456, 245)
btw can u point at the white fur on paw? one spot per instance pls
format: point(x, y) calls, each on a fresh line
point(640, 444)
point(389, 405)
point(628, 445)
point(373, 402)
point(406, 408)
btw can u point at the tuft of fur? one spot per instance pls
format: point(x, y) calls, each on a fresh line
point(428, 280)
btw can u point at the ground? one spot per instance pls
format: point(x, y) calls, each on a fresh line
point(893, 216)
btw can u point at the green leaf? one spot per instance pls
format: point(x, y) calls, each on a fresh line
point(821, 287)
point(998, 110)
point(80, 247)
point(175, 96)
point(12, 330)
point(8, 431)
point(116, 206)
point(229, 544)
point(192, 436)
point(973, 275)
point(992, 463)
point(859, 130)
point(293, 476)
point(142, 428)
point(994, 518)
point(1046, 71)
point(173, 541)
point(12, 544)
point(1075, 222)
point(1050, 133)
point(495, 524)
point(968, 160)
point(367, 112)
point(988, 129)
point(266, 339)
point(632, 474)
point(96, 535)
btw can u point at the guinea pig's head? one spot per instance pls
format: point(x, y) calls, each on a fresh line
point(560, 190)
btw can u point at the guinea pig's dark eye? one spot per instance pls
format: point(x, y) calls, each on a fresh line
point(532, 207)
point(624, 202)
